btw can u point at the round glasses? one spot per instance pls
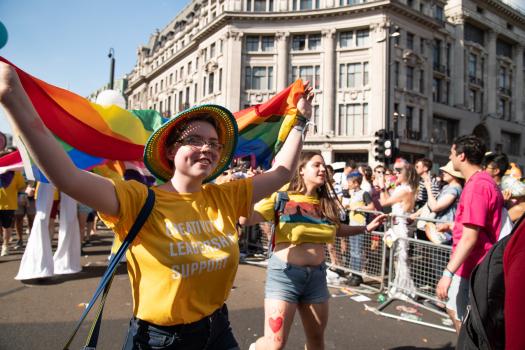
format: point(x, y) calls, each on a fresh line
point(197, 142)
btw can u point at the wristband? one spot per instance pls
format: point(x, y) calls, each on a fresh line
point(447, 273)
point(299, 119)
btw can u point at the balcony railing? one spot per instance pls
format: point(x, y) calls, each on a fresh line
point(441, 68)
point(475, 80)
point(413, 135)
point(505, 91)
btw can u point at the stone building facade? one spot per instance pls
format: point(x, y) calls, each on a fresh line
point(433, 69)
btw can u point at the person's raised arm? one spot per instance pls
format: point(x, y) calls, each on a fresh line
point(287, 158)
point(386, 200)
point(90, 189)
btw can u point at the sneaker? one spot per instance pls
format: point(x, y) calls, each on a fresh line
point(355, 281)
point(5, 250)
point(19, 245)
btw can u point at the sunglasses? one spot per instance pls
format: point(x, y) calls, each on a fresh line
point(380, 172)
point(399, 170)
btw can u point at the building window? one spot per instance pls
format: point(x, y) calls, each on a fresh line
point(472, 99)
point(362, 37)
point(189, 67)
point(410, 41)
point(503, 110)
point(258, 78)
point(204, 86)
point(472, 65)
point(259, 5)
point(353, 75)
point(314, 42)
point(396, 74)
point(211, 81)
point(312, 129)
point(410, 78)
point(220, 79)
point(195, 92)
point(503, 49)
point(510, 143)
point(345, 39)
point(444, 131)
point(439, 13)
point(267, 43)
point(436, 90)
point(365, 73)
point(422, 81)
point(307, 73)
point(305, 4)
point(353, 119)
point(436, 53)
point(212, 50)
point(303, 41)
point(474, 34)
point(350, 2)
point(256, 43)
point(409, 119)
point(252, 43)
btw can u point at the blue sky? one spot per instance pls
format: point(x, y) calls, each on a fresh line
point(66, 43)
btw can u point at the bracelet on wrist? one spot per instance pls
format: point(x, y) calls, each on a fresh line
point(300, 119)
point(447, 273)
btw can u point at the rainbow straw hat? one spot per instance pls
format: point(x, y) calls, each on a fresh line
point(155, 157)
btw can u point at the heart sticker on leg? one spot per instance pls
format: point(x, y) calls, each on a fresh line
point(276, 323)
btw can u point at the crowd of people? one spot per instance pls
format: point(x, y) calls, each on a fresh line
point(190, 240)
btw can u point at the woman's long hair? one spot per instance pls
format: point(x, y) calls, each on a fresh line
point(327, 200)
point(412, 177)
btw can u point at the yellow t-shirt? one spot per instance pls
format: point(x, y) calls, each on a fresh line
point(183, 262)
point(301, 220)
point(9, 193)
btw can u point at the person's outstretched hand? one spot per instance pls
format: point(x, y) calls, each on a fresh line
point(304, 105)
point(8, 81)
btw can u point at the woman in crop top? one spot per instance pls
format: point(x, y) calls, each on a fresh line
point(296, 274)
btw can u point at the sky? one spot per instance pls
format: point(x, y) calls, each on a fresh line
point(66, 42)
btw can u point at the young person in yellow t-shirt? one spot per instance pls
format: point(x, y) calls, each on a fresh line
point(189, 241)
point(296, 273)
point(10, 183)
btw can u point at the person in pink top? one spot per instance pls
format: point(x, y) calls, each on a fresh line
point(476, 226)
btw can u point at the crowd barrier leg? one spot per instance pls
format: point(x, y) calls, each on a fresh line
point(428, 260)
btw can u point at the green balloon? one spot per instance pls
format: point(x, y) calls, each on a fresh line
point(3, 35)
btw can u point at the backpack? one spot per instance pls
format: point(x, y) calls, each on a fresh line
point(484, 326)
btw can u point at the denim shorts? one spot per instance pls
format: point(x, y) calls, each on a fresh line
point(296, 284)
point(210, 333)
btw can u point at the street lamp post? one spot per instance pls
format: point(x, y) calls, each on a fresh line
point(391, 34)
point(111, 56)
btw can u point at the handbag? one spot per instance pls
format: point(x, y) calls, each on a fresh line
point(107, 278)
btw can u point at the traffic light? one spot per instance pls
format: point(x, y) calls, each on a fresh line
point(384, 150)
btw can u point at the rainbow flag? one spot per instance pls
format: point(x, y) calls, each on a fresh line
point(264, 128)
point(92, 134)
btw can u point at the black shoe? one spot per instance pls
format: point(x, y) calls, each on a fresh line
point(339, 272)
point(355, 281)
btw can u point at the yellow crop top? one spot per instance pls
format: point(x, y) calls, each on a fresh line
point(301, 220)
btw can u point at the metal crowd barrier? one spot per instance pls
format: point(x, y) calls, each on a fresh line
point(425, 260)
